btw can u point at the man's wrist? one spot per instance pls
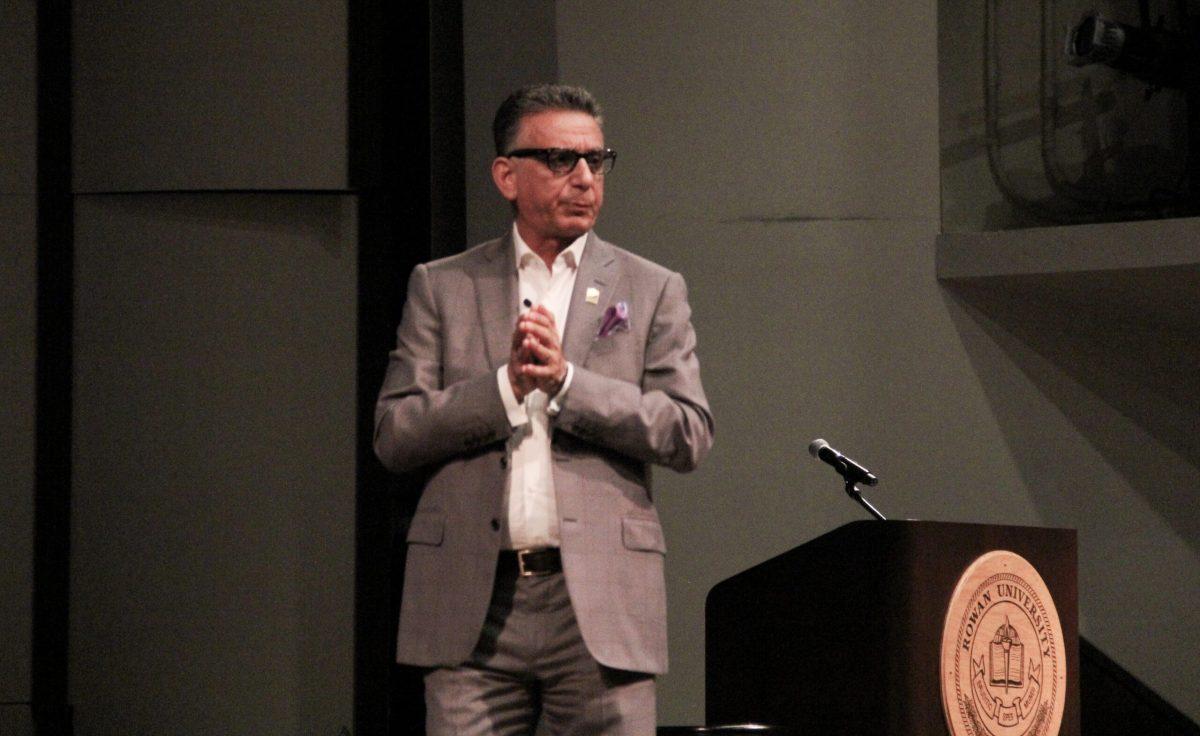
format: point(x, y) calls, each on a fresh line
point(513, 406)
point(560, 393)
point(514, 384)
point(553, 388)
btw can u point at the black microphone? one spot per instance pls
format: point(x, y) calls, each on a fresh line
point(847, 468)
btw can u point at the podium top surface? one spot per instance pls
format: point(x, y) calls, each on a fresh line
point(920, 550)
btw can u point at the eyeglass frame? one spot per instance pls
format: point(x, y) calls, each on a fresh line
point(608, 158)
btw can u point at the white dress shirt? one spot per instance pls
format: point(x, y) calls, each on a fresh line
point(532, 512)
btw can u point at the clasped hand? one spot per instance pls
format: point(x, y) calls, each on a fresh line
point(535, 357)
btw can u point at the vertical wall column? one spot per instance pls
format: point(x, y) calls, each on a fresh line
point(216, 232)
point(55, 274)
point(18, 335)
point(406, 154)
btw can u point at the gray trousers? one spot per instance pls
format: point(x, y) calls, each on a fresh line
point(531, 673)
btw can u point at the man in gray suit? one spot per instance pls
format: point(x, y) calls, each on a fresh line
point(535, 380)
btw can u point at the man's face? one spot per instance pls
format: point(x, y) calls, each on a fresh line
point(551, 206)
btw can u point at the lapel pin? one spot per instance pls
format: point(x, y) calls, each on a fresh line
point(593, 295)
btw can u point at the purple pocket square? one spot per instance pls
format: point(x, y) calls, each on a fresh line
point(616, 319)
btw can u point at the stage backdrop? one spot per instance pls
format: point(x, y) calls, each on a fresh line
point(784, 157)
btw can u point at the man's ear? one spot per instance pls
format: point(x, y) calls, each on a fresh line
point(505, 177)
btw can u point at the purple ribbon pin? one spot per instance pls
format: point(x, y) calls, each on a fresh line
point(616, 319)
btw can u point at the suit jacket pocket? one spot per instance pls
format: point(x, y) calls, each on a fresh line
point(643, 535)
point(427, 527)
point(616, 355)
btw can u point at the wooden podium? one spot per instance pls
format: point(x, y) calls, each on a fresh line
point(844, 634)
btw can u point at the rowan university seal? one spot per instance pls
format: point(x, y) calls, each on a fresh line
point(1004, 668)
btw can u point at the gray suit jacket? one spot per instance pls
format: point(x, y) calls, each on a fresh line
point(635, 400)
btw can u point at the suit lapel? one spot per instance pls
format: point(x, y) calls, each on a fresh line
point(496, 296)
point(598, 271)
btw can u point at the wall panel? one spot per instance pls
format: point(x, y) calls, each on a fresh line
point(213, 518)
point(18, 355)
point(210, 95)
point(18, 97)
point(18, 325)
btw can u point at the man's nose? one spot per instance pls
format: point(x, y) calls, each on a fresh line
point(582, 174)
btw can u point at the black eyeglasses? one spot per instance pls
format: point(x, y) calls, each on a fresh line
point(562, 161)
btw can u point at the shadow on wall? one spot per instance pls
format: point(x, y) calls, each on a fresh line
point(1125, 377)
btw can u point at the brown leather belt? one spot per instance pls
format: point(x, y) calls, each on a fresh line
point(530, 562)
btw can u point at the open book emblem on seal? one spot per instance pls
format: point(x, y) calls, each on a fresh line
point(1003, 665)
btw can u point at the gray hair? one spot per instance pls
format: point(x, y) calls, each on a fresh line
point(537, 98)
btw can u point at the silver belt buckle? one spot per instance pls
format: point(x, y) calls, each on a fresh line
point(521, 564)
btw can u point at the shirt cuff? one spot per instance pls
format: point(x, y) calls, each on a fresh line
point(555, 405)
point(515, 411)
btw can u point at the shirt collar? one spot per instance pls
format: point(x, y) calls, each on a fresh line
point(571, 255)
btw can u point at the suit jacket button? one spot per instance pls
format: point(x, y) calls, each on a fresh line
point(504, 462)
point(495, 525)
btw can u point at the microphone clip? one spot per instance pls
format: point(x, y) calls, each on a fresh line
point(853, 491)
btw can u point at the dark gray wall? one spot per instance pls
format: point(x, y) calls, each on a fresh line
point(506, 45)
point(210, 95)
point(18, 280)
point(18, 92)
point(212, 574)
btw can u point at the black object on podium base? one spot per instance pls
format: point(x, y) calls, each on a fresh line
point(843, 634)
